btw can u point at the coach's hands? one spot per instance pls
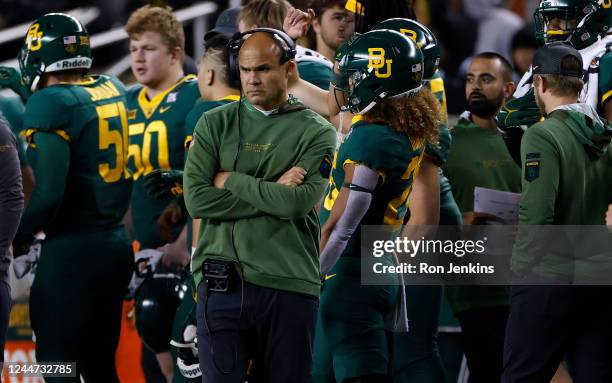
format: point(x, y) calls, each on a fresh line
point(11, 78)
point(293, 177)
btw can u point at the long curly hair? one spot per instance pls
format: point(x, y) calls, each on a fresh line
point(416, 116)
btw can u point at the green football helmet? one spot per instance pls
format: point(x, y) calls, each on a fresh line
point(590, 17)
point(54, 42)
point(157, 299)
point(379, 64)
point(422, 36)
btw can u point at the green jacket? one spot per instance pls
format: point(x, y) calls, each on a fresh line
point(567, 180)
point(271, 230)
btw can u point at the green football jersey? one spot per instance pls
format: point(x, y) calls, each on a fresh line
point(92, 117)
point(394, 156)
point(315, 73)
point(157, 137)
point(605, 78)
point(436, 85)
point(199, 109)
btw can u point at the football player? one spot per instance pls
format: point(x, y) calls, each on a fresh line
point(416, 354)
point(77, 130)
point(157, 110)
point(585, 24)
point(381, 73)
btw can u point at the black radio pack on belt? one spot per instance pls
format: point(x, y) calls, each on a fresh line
point(220, 275)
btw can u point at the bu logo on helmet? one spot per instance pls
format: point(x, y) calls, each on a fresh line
point(376, 61)
point(34, 38)
point(412, 35)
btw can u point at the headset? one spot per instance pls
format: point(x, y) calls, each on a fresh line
point(233, 47)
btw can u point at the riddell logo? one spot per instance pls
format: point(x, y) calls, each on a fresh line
point(75, 64)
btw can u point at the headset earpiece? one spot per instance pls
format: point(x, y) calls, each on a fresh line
point(285, 42)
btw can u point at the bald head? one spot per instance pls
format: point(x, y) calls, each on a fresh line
point(262, 75)
point(263, 44)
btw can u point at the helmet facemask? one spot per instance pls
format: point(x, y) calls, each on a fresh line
point(580, 22)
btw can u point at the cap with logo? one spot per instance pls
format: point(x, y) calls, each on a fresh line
point(549, 58)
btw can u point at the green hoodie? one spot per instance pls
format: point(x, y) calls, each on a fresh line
point(567, 180)
point(272, 230)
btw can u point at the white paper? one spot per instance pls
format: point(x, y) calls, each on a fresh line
point(501, 204)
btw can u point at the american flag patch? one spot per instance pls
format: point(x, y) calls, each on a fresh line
point(69, 40)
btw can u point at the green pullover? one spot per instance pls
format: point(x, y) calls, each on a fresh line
point(271, 230)
point(567, 180)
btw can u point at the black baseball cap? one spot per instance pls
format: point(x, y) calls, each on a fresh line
point(227, 24)
point(548, 60)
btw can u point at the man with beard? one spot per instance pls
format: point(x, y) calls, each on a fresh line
point(478, 157)
point(333, 26)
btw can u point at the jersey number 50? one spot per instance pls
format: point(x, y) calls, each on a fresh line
point(142, 157)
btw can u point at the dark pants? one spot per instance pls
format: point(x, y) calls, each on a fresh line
point(548, 323)
point(5, 310)
point(76, 302)
point(274, 329)
point(482, 338)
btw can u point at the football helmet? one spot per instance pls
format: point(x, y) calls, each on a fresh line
point(54, 42)
point(422, 36)
point(378, 64)
point(184, 337)
point(157, 299)
point(580, 21)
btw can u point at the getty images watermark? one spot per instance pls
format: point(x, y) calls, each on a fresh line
point(404, 247)
point(486, 255)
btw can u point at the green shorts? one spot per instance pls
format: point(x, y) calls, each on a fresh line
point(350, 337)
